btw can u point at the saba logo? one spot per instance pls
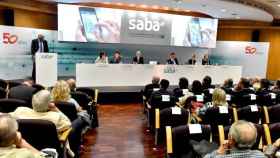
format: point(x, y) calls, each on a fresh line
point(250, 50)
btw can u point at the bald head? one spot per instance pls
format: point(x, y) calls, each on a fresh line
point(8, 130)
point(243, 134)
point(72, 84)
point(155, 80)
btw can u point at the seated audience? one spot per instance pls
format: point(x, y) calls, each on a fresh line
point(207, 83)
point(242, 136)
point(264, 88)
point(149, 88)
point(44, 109)
point(117, 59)
point(255, 83)
point(164, 84)
point(218, 99)
point(172, 59)
point(138, 59)
point(183, 85)
point(12, 145)
point(196, 87)
point(228, 83)
point(243, 88)
point(24, 92)
point(61, 92)
point(276, 88)
point(72, 84)
point(102, 58)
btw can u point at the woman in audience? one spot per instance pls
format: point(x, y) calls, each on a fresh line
point(102, 58)
point(196, 87)
point(218, 99)
point(61, 92)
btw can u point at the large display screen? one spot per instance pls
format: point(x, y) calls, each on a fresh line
point(106, 25)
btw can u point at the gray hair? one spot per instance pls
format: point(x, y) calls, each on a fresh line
point(8, 130)
point(244, 134)
point(41, 100)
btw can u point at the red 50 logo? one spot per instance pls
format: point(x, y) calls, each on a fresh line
point(250, 50)
point(9, 39)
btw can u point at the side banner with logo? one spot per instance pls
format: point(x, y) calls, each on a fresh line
point(252, 56)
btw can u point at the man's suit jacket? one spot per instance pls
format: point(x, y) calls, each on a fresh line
point(22, 92)
point(35, 46)
point(192, 62)
point(169, 61)
point(140, 61)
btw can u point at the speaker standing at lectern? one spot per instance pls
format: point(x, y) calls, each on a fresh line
point(39, 45)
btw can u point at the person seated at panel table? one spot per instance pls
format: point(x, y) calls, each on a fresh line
point(102, 58)
point(138, 59)
point(12, 145)
point(192, 61)
point(205, 60)
point(117, 59)
point(183, 88)
point(172, 59)
point(207, 83)
point(150, 87)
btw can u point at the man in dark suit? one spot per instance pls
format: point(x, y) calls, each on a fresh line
point(172, 59)
point(39, 45)
point(150, 87)
point(138, 59)
point(192, 61)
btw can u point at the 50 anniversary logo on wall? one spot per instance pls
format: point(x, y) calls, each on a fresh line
point(9, 38)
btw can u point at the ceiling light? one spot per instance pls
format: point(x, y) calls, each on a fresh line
point(237, 17)
point(223, 10)
point(278, 5)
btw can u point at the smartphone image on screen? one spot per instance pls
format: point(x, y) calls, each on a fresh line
point(195, 34)
point(89, 20)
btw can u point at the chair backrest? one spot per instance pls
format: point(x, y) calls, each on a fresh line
point(251, 113)
point(273, 114)
point(89, 91)
point(13, 84)
point(40, 133)
point(274, 131)
point(266, 99)
point(181, 136)
point(244, 100)
point(170, 117)
point(22, 92)
point(38, 87)
point(3, 84)
point(10, 105)
point(3, 93)
point(216, 116)
point(82, 98)
point(158, 101)
point(68, 109)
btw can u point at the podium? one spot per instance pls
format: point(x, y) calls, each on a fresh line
point(46, 69)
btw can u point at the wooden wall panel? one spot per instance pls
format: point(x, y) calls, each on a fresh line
point(234, 34)
point(25, 18)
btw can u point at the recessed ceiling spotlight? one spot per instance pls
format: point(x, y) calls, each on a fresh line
point(132, 5)
point(223, 10)
point(278, 5)
point(237, 17)
point(155, 7)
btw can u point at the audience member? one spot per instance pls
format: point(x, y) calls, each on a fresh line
point(138, 59)
point(72, 84)
point(276, 88)
point(149, 88)
point(172, 59)
point(242, 136)
point(243, 88)
point(218, 99)
point(117, 59)
point(196, 87)
point(256, 83)
point(228, 83)
point(183, 87)
point(61, 92)
point(24, 92)
point(264, 88)
point(164, 84)
point(102, 58)
point(207, 83)
point(44, 109)
point(12, 145)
